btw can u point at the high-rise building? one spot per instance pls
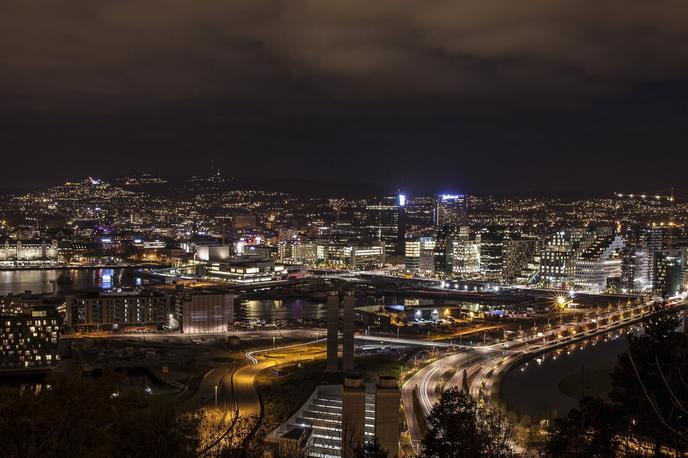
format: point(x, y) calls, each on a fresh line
point(450, 210)
point(599, 263)
point(402, 223)
point(668, 272)
point(559, 252)
point(493, 243)
point(659, 239)
point(442, 235)
point(518, 253)
point(385, 223)
point(420, 256)
point(412, 255)
point(635, 275)
point(420, 212)
point(463, 256)
point(634, 269)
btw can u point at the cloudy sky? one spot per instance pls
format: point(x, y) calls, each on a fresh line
point(477, 96)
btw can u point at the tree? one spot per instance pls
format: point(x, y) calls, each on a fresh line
point(649, 386)
point(78, 416)
point(589, 430)
point(458, 427)
point(371, 449)
point(647, 407)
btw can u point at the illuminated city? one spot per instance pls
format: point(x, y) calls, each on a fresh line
point(342, 230)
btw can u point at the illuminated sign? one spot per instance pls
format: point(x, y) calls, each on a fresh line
point(446, 197)
point(402, 200)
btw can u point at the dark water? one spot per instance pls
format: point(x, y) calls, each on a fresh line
point(534, 389)
point(40, 281)
point(316, 309)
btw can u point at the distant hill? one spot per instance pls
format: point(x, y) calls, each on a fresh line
point(294, 186)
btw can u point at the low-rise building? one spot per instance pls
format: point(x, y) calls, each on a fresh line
point(28, 252)
point(355, 257)
point(244, 270)
point(117, 311)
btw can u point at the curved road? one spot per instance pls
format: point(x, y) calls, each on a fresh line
point(245, 393)
point(480, 367)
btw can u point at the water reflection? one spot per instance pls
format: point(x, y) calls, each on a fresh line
point(316, 309)
point(550, 385)
point(44, 280)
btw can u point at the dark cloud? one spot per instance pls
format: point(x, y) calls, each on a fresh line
point(471, 95)
point(64, 52)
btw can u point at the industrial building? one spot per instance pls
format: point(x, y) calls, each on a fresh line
point(337, 418)
point(205, 312)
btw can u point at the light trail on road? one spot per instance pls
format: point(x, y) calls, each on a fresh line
point(426, 381)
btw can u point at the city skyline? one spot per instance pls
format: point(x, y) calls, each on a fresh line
point(343, 229)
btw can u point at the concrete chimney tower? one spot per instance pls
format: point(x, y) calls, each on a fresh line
point(387, 400)
point(353, 413)
point(332, 331)
point(348, 324)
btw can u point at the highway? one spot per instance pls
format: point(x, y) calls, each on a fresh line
point(481, 362)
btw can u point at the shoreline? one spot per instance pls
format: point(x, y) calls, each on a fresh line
point(494, 377)
point(79, 267)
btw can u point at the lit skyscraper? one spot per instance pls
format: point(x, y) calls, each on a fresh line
point(450, 210)
point(385, 223)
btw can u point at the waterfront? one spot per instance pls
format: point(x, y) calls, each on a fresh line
point(549, 386)
point(316, 309)
point(44, 280)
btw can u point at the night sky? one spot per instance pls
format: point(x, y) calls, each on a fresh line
point(474, 96)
